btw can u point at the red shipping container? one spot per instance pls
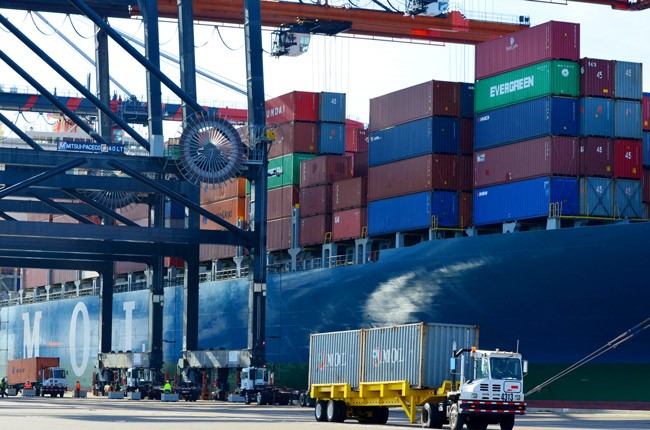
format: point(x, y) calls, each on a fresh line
point(549, 155)
point(645, 107)
point(293, 106)
point(552, 40)
point(413, 175)
point(314, 228)
point(596, 78)
point(356, 139)
point(217, 252)
point(278, 234)
point(432, 98)
point(315, 200)
point(351, 193)
point(230, 210)
point(301, 137)
point(223, 191)
point(597, 157)
point(325, 169)
point(465, 210)
point(60, 276)
point(349, 224)
point(467, 136)
point(627, 159)
point(281, 201)
point(360, 164)
point(646, 186)
point(122, 267)
point(136, 212)
point(465, 173)
point(33, 278)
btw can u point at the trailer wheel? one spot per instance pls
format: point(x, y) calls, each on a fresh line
point(380, 415)
point(320, 410)
point(336, 411)
point(456, 420)
point(247, 398)
point(431, 417)
point(507, 422)
point(301, 400)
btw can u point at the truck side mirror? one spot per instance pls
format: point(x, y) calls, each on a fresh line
point(525, 367)
point(452, 364)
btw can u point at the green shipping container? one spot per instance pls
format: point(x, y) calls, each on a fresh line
point(556, 77)
point(285, 170)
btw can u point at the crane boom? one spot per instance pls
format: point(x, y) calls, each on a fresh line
point(630, 5)
point(452, 27)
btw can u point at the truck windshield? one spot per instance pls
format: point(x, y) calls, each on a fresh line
point(260, 374)
point(58, 373)
point(505, 368)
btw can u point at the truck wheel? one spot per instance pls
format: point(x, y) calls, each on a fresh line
point(247, 398)
point(507, 422)
point(301, 400)
point(456, 420)
point(431, 417)
point(320, 410)
point(333, 411)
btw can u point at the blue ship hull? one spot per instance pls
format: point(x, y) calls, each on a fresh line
point(555, 295)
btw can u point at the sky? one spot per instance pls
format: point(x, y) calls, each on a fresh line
point(362, 69)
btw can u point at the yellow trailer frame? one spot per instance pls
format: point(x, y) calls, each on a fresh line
point(392, 393)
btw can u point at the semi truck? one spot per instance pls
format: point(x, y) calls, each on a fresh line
point(43, 373)
point(433, 371)
point(256, 385)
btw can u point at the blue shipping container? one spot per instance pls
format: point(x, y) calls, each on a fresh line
point(466, 100)
point(331, 138)
point(597, 197)
point(646, 148)
point(331, 107)
point(527, 120)
point(628, 80)
point(627, 119)
point(596, 117)
point(424, 136)
point(525, 199)
point(174, 210)
point(413, 212)
point(628, 196)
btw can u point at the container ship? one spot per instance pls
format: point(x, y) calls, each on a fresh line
point(515, 202)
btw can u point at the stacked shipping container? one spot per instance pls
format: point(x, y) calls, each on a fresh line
point(528, 121)
point(416, 161)
point(645, 110)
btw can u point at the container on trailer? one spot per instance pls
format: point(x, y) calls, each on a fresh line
point(285, 170)
point(324, 169)
point(281, 201)
point(432, 98)
point(555, 77)
point(596, 117)
point(628, 81)
point(331, 138)
point(597, 156)
point(349, 224)
point(315, 200)
point(544, 156)
point(22, 370)
point(596, 197)
point(553, 40)
point(331, 107)
point(525, 121)
point(627, 119)
point(627, 198)
point(467, 100)
point(413, 212)
point(416, 353)
point(421, 137)
point(297, 136)
point(293, 106)
point(314, 228)
point(351, 193)
point(596, 77)
point(530, 198)
point(627, 159)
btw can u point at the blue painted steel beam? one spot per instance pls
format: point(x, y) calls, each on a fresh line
point(34, 207)
point(42, 176)
point(65, 255)
point(101, 208)
point(59, 207)
point(110, 8)
point(28, 140)
point(58, 263)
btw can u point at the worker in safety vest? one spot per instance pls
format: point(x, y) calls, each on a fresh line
point(3, 385)
point(28, 385)
point(77, 389)
point(168, 387)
